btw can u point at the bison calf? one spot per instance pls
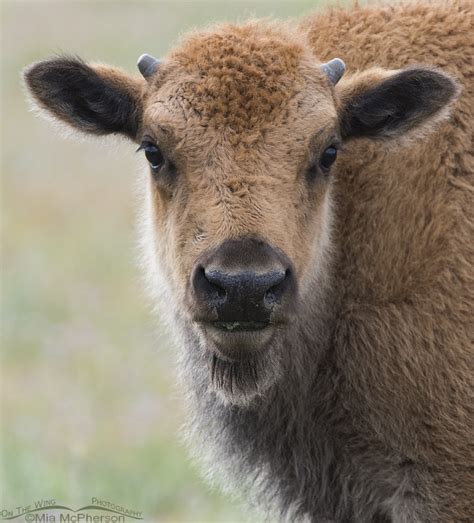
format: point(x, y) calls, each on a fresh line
point(309, 234)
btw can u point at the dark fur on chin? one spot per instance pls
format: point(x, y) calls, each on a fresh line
point(234, 375)
point(238, 382)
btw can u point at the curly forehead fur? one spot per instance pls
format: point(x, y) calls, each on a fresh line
point(241, 76)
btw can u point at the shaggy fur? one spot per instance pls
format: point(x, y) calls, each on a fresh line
point(361, 409)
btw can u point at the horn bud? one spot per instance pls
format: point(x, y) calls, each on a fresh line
point(334, 69)
point(147, 65)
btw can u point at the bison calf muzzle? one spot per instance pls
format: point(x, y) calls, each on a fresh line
point(242, 285)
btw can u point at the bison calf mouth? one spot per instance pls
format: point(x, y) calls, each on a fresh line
point(241, 325)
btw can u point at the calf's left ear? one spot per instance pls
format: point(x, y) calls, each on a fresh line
point(94, 99)
point(387, 104)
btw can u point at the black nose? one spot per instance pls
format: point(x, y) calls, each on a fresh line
point(242, 283)
point(252, 289)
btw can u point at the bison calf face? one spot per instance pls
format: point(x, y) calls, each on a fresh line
point(240, 237)
point(240, 156)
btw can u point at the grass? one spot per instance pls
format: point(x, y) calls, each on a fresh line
point(88, 404)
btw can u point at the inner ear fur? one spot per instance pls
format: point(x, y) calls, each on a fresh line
point(384, 104)
point(95, 99)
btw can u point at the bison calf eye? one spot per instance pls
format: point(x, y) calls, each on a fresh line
point(328, 158)
point(153, 155)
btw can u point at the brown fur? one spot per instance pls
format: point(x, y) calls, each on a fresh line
point(243, 75)
point(407, 290)
point(382, 250)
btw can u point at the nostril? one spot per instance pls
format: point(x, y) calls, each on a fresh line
point(213, 279)
point(275, 292)
point(220, 292)
point(206, 287)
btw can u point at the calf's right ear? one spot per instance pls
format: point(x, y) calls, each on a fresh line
point(94, 99)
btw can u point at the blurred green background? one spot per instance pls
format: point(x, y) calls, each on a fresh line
point(88, 399)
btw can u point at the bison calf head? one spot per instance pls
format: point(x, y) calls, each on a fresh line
point(241, 129)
